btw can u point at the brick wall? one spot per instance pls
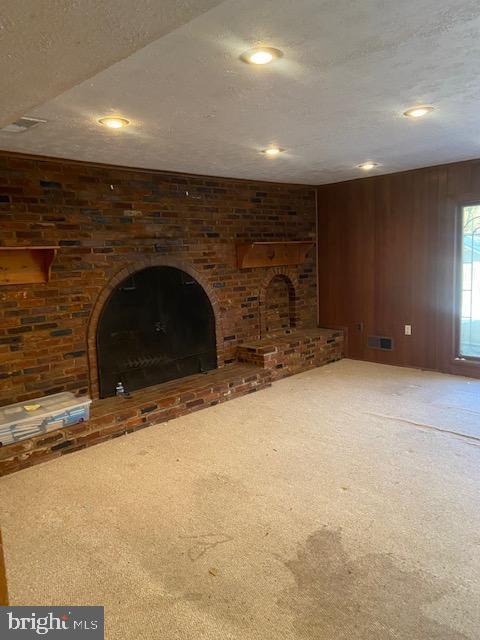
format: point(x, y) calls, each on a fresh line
point(109, 221)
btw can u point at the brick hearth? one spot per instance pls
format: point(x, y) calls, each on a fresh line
point(286, 355)
point(265, 361)
point(113, 417)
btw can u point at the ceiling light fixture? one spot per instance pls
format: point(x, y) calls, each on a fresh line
point(261, 55)
point(368, 166)
point(418, 112)
point(271, 152)
point(114, 122)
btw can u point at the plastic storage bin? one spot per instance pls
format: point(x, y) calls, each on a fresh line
point(54, 412)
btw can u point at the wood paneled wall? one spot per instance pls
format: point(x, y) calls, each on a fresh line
point(387, 256)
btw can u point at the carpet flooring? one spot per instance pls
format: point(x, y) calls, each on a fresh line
point(339, 503)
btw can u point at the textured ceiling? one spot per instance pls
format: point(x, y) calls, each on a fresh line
point(335, 99)
point(48, 46)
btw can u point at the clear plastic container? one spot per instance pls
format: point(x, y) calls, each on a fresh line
point(26, 419)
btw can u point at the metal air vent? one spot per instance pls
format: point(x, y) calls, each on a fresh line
point(380, 342)
point(22, 124)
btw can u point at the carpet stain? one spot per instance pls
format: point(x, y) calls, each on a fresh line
point(367, 597)
point(220, 483)
point(200, 544)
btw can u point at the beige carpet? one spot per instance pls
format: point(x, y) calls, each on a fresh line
point(342, 503)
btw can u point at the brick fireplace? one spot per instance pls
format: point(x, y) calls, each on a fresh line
point(189, 278)
point(110, 223)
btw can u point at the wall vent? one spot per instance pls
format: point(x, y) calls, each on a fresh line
point(22, 124)
point(380, 342)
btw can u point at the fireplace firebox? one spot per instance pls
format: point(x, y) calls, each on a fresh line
point(156, 326)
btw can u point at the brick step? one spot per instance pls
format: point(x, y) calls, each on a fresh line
point(286, 354)
point(113, 417)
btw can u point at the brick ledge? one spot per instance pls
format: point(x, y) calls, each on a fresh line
point(113, 417)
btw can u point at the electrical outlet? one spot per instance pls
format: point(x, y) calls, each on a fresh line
point(408, 329)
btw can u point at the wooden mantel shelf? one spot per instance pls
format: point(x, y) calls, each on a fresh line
point(272, 254)
point(25, 265)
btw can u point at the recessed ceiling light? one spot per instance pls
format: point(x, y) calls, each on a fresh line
point(368, 166)
point(261, 55)
point(418, 112)
point(271, 152)
point(114, 122)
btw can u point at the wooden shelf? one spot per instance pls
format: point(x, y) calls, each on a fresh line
point(272, 254)
point(25, 265)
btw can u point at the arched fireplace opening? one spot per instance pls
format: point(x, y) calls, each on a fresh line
point(157, 325)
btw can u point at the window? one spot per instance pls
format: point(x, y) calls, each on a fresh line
point(470, 283)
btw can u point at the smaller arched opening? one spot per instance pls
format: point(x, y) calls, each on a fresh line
point(278, 303)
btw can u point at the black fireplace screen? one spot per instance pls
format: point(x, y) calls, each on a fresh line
point(156, 326)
